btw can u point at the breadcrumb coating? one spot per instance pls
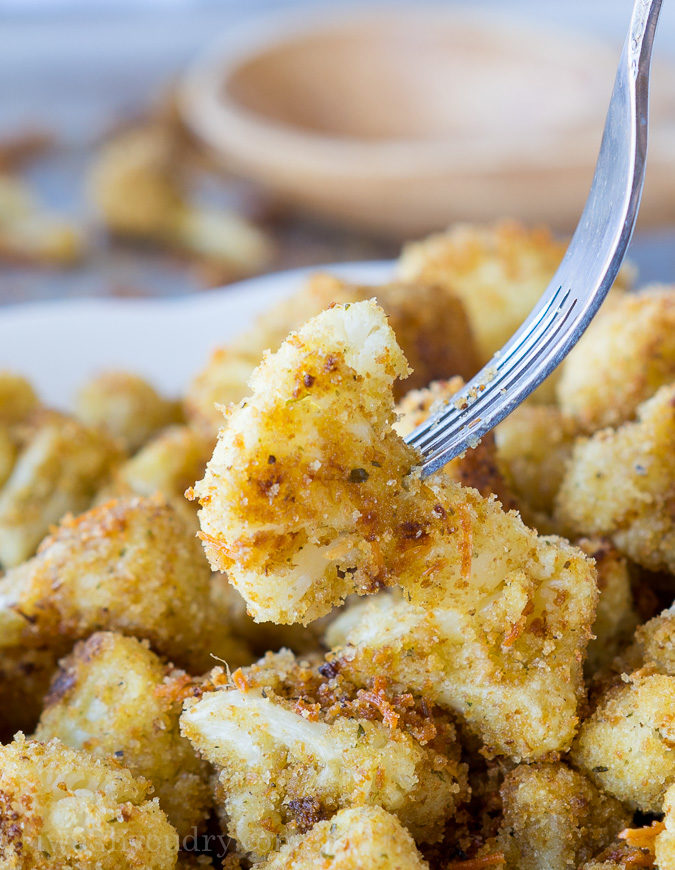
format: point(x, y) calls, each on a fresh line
point(309, 495)
point(509, 662)
point(352, 839)
point(125, 406)
point(113, 697)
point(621, 483)
point(62, 808)
point(57, 472)
point(296, 743)
point(655, 642)
point(132, 566)
point(499, 272)
point(431, 326)
point(625, 746)
point(555, 818)
point(625, 356)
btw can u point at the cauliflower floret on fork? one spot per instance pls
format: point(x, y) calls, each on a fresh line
point(311, 495)
point(295, 743)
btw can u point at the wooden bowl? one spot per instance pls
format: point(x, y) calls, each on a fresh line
point(400, 121)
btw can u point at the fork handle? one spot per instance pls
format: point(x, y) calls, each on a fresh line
point(584, 277)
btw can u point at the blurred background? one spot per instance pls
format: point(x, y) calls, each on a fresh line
point(163, 147)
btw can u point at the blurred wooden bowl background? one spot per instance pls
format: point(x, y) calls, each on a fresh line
point(400, 120)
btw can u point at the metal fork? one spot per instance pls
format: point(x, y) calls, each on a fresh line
point(584, 276)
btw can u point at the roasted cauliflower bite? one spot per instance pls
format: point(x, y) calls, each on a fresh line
point(112, 696)
point(295, 743)
point(58, 471)
point(133, 566)
point(62, 808)
point(615, 618)
point(125, 406)
point(621, 483)
point(508, 661)
point(555, 818)
point(655, 642)
point(477, 466)
point(625, 356)
point(499, 272)
point(352, 839)
point(309, 496)
point(17, 398)
point(626, 745)
point(431, 327)
point(533, 445)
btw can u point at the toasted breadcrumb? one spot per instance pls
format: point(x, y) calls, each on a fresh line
point(62, 808)
point(295, 746)
point(625, 356)
point(621, 483)
point(625, 746)
point(509, 664)
point(352, 839)
point(112, 696)
point(431, 327)
point(57, 472)
point(125, 406)
point(132, 566)
point(555, 818)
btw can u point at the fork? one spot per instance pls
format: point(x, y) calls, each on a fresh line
point(584, 277)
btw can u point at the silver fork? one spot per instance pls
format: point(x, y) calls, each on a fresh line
point(584, 276)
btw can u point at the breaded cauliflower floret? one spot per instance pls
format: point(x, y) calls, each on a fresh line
point(132, 566)
point(615, 618)
point(510, 664)
point(655, 642)
point(621, 484)
point(125, 406)
point(499, 272)
point(533, 446)
point(555, 818)
point(295, 744)
point(307, 467)
point(17, 398)
point(353, 839)
point(626, 745)
point(431, 327)
point(112, 696)
point(58, 471)
point(309, 496)
point(477, 466)
point(664, 846)
point(8, 452)
point(61, 808)
point(622, 360)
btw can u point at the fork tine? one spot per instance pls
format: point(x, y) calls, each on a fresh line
point(588, 269)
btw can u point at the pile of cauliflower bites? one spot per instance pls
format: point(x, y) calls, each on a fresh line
point(318, 659)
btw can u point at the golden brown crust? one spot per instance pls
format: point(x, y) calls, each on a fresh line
point(112, 696)
point(555, 818)
point(61, 808)
point(626, 355)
